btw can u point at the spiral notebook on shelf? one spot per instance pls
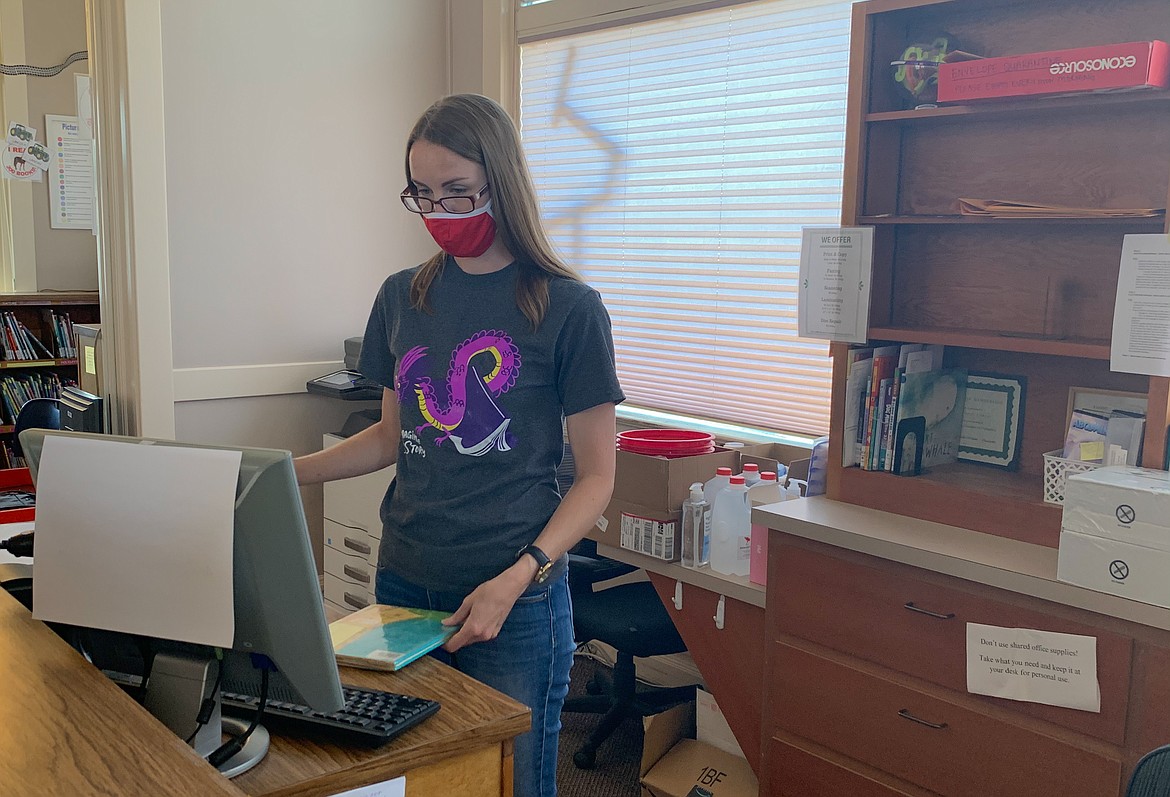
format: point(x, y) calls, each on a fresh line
point(388, 637)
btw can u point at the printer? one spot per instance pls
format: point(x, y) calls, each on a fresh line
point(349, 385)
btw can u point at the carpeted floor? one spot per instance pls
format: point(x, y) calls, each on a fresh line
point(616, 773)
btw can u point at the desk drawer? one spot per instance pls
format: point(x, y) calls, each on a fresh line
point(885, 615)
point(795, 772)
point(347, 595)
point(942, 746)
point(351, 541)
point(351, 569)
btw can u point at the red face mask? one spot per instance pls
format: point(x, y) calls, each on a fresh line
point(463, 234)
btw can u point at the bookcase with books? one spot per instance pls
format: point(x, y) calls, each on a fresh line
point(1029, 297)
point(39, 352)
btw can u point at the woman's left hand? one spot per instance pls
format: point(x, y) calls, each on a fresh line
point(483, 612)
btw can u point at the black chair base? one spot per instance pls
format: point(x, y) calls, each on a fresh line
point(618, 701)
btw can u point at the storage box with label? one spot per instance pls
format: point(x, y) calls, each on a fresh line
point(694, 768)
point(647, 500)
point(1107, 67)
point(1115, 533)
point(1121, 503)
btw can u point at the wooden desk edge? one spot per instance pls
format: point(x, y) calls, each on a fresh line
point(1012, 565)
point(738, 588)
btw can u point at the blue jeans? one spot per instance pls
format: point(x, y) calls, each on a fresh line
point(529, 661)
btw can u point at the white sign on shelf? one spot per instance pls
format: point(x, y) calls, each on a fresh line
point(835, 268)
point(1141, 315)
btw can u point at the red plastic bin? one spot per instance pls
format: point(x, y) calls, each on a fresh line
point(16, 479)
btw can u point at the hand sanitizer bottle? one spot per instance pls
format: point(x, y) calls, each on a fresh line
point(696, 528)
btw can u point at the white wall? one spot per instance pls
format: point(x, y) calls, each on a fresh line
point(284, 127)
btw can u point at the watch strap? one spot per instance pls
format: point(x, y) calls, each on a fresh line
point(543, 563)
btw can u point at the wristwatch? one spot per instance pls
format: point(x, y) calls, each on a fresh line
point(543, 563)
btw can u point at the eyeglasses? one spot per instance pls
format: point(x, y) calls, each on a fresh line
point(451, 204)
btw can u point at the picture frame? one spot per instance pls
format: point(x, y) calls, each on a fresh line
point(993, 418)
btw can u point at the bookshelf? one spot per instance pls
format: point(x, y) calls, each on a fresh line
point(1032, 297)
point(35, 312)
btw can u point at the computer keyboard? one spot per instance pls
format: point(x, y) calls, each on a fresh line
point(368, 715)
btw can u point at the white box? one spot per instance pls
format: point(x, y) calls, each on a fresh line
point(711, 726)
point(650, 536)
point(1120, 503)
point(1118, 568)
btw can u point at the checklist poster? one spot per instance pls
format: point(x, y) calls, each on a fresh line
point(71, 187)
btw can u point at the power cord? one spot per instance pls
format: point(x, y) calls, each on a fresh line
point(19, 545)
point(236, 743)
point(207, 707)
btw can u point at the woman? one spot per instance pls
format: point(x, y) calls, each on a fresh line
point(485, 350)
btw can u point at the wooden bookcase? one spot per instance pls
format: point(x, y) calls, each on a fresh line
point(32, 310)
point(1032, 298)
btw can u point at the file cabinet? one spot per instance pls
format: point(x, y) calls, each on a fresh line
point(353, 530)
point(866, 684)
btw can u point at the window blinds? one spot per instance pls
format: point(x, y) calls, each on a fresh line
point(676, 161)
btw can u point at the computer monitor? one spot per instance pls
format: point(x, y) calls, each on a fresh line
point(280, 630)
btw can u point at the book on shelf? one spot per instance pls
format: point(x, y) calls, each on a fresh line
point(62, 330)
point(931, 403)
point(857, 381)
point(381, 637)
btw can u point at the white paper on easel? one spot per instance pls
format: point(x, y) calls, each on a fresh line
point(136, 538)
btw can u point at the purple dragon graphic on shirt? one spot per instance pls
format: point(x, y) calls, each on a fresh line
point(471, 419)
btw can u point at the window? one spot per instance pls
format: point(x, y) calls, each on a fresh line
point(676, 161)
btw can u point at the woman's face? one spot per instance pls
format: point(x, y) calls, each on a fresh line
point(438, 172)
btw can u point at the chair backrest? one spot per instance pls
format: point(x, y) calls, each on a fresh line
point(1151, 776)
point(38, 413)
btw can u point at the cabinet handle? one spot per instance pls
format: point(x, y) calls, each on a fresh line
point(354, 545)
point(928, 613)
point(355, 601)
point(905, 714)
point(354, 573)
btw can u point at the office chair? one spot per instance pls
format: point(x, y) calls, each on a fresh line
point(37, 413)
point(631, 619)
point(1151, 776)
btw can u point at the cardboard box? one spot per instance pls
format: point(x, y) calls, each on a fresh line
point(711, 726)
point(1130, 505)
point(769, 455)
point(1118, 568)
point(1108, 67)
point(656, 534)
point(662, 484)
point(663, 731)
point(695, 769)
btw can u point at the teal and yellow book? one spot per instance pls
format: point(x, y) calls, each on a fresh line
point(388, 637)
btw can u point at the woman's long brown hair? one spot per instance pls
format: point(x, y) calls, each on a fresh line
point(479, 129)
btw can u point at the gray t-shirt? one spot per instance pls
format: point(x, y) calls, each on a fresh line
point(481, 397)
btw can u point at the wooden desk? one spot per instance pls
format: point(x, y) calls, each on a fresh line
point(463, 751)
point(66, 729)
